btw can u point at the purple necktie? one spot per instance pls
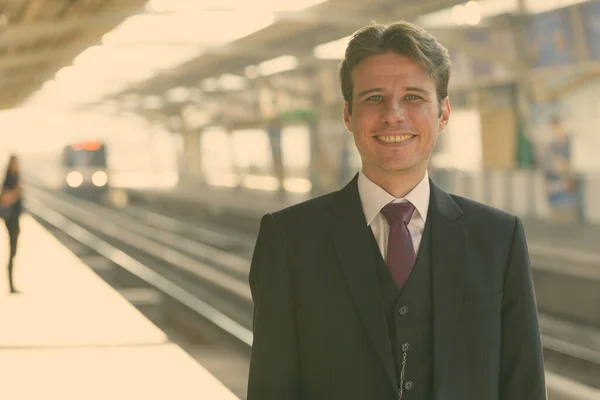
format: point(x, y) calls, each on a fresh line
point(400, 252)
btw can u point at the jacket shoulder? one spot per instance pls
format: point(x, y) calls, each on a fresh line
point(478, 209)
point(312, 208)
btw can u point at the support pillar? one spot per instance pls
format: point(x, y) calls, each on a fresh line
point(274, 134)
point(192, 155)
point(316, 160)
point(524, 100)
point(191, 150)
point(154, 119)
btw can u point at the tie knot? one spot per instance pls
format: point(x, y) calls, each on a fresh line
point(398, 212)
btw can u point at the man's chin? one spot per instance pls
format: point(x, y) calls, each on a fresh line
point(396, 167)
point(399, 169)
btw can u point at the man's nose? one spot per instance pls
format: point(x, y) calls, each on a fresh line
point(394, 112)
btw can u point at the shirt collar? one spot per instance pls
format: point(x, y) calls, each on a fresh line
point(373, 197)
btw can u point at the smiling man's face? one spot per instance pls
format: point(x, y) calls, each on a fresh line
point(396, 116)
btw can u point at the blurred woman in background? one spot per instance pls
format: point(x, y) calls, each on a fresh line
point(11, 203)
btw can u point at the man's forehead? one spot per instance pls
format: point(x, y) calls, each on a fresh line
point(389, 73)
point(390, 61)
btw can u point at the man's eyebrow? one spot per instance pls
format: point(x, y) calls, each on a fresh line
point(416, 89)
point(367, 91)
point(408, 89)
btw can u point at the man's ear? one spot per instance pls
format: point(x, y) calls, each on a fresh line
point(347, 117)
point(445, 110)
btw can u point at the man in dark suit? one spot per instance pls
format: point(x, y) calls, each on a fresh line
point(392, 288)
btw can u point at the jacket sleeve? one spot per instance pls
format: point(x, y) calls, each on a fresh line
point(274, 364)
point(522, 365)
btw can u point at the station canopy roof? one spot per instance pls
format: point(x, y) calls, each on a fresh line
point(87, 51)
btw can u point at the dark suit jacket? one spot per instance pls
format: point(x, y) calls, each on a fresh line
point(319, 323)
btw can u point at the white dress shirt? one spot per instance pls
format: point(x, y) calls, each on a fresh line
point(374, 198)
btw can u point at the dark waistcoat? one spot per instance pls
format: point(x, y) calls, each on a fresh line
point(409, 318)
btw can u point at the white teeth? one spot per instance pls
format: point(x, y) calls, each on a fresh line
point(394, 139)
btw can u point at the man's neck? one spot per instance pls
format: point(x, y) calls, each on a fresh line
point(397, 184)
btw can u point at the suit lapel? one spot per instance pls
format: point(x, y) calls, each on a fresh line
point(449, 244)
point(354, 251)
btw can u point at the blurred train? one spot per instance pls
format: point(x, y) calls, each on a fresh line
point(84, 169)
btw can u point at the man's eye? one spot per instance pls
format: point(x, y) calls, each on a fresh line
point(413, 97)
point(375, 98)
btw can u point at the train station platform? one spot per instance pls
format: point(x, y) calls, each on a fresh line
point(565, 257)
point(68, 335)
point(251, 204)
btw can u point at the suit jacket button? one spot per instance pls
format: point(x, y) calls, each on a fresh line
point(403, 310)
point(409, 385)
point(405, 347)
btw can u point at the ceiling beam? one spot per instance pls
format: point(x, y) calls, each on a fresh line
point(32, 10)
point(351, 20)
point(452, 37)
point(11, 2)
point(191, 73)
point(33, 31)
point(342, 19)
point(337, 19)
point(194, 71)
point(26, 58)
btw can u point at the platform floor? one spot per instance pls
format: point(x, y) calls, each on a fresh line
point(68, 335)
